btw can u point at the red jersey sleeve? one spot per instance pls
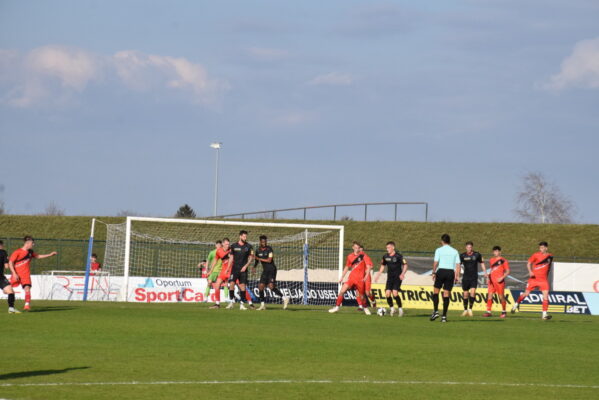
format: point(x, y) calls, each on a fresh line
point(15, 255)
point(348, 261)
point(367, 260)
point(533, 258)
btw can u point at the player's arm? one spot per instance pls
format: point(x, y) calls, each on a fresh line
point(404, 269)
point(212, 265)
point(265, 260)
point(13, 271)
point(250, 259)
point(41, 256)
point(368, 269)
point(435, 265)
point(458, 268)
point(378, 274)
point(529, 268)
point(484, 270)
point(343, 274)
point(506, 271)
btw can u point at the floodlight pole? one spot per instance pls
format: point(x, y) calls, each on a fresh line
point(216, 146)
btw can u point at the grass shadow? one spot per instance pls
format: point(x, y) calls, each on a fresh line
point(39, 372)
point(52, 308)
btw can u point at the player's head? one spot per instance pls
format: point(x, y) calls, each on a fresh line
point(543, 247)
point(28, 242)
point(497, 251)
point(218, 244)
point(94, 257)
point(263, 240)
point(226, 243)
point(1, 244)
point(445, 239)
point(243, 236)
point(390, 247)
point(356, 247)
point(469, 247)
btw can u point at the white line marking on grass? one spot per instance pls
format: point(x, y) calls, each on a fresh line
point(290, 381)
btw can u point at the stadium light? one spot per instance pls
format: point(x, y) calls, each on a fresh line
point(217, 146)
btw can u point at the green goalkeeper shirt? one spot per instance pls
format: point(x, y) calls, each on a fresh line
point(219, 263)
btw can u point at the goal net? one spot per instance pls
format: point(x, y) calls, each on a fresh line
point(156, 259)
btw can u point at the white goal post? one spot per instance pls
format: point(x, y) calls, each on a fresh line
point(309, 258)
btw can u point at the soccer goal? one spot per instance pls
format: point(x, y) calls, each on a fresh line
point(144, 253)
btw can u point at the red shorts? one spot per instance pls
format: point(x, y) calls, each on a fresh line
point(356, 283)
point(496, 287)
point(533, 283)
point(224, 276)
point(24, 278)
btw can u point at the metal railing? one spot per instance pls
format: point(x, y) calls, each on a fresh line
point(274, 213)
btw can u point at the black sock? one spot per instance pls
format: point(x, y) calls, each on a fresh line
point(436, 302)
point(232, 294)
point(278, 292)
point(261, 294)
point(11, 300)
point(241, 296)
point(390, 301)
point(466, 302)
point(398, 301)
point(471, 299)
point(445, 305)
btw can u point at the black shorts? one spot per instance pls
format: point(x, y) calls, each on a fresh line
point(3, 282)
point(237, 275)
point(469, 283)
point(444, 279)
point(393, 282)
point(269, 275)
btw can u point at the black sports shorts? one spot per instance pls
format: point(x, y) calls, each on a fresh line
point(444, 279)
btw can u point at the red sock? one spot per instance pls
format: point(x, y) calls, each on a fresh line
point(545, 305)
point(503, 304)
point(339, 300)
point(247, 296)
point(522, 297)
point(27, 297)
point(371, 297)
point(489, 304)
point(216, 292)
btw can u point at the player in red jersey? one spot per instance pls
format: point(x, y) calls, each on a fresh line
point(95, 266)
point(500, 269)
point(539, 265)
point(20, 260)
point(224, 254)
point(360, 265)
point(368, 295)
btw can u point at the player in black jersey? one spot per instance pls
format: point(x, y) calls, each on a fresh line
point(397, 266)
point(470, 260)
point(265, 255)
point(243, 255)
point(5, 285)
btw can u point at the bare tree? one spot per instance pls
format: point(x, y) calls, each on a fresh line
point(53, 209)
point(541, 201)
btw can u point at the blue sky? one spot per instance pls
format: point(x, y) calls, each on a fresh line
point(110, 106)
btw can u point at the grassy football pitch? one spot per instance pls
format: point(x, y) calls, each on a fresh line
point(72, 350)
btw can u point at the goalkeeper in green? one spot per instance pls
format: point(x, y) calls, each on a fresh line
point(210, 279)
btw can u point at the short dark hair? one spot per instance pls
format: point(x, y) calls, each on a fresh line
point(28, 238)
point(355, 242)
point(445, 238)
point(543, 244)
point(496, 248)
point(94, 255)
point(263, 237)
point(469, 243)
point(243, 233)
point(1, 242)
point(218, 242)
point(226, 239)
point(392, 243)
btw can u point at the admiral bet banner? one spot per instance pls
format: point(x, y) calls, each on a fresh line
point(416, 296)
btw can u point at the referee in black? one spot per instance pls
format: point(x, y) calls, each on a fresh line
point(446, 272)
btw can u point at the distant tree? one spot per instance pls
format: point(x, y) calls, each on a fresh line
point(2, 207)
point(346, 218)
point(541, 201)
point(185, 211)
point(53, 209)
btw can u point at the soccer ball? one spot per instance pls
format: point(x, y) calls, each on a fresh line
point(381, 312)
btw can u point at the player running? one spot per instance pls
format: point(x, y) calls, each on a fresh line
point(360, 265)
point(446, 272)
point(222, 255)
point(213, 276)
point(539, 265)
point(368, 295)
point(20, 260)
point(4, 283)
point(265, 255)
point(470, 260)
point(500, 269)
point(243, 255)
point(397, 266)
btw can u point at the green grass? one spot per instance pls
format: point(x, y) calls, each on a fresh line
point(70, 342)
point(566, 241)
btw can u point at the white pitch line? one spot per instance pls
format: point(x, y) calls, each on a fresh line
point(285, 381)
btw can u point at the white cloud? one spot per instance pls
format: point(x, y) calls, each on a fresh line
point(333, 79)
point(579, 69)
point(267, 54)
point(55, 72)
